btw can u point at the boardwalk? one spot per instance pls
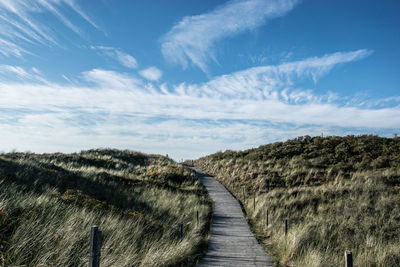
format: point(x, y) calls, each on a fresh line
point(232, 243)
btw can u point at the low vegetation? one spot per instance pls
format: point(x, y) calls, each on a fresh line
point(48, 202)
point(338, 193)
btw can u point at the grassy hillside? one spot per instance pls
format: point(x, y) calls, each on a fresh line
point(48, 203)
point(337, 193)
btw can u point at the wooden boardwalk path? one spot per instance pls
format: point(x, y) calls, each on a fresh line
point(231, 243)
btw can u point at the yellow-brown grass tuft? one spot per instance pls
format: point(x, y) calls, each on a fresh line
point(338, 193)
point(48, 202)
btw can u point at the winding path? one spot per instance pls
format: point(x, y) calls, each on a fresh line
point(231, 243)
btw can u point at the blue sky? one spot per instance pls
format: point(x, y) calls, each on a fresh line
point(189, 78)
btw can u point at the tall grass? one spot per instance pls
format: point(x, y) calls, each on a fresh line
point(48, 203)
point(338, 193)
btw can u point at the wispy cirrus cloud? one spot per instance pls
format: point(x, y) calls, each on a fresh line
point(72, 4)
point(110, 79)
point(235, 111)
point(20, 26)
point(192, 39)
point(261, 82)
point(11, 49)
point(9, 74)
point(116, 54)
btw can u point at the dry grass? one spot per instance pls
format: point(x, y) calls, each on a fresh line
point(338, 193)
point(48, 203)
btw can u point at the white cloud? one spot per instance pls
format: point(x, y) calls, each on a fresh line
point(126, 60)
point(19, 18)
point(123, 58)
point(260, 82)
point(10, 49)
point(78, 9)
point(192, 39)
point(49, 6)
point(13, 70)
point(151, 73)
point(236, 111)
point(66, 78)
point(110, 79)
point(8, 73)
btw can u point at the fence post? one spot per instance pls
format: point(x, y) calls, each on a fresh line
point(181, 230)
point(266, 218)
point(95, 246)
point(197, 216)
point(286, 226)
point(348, 257)
point(254, 202)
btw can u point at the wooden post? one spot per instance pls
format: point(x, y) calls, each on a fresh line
point(266, 218)
point(181, 230)
point(197, 216)
point(95, 246)
point(286, 226)
point(348, 258)
point(254, 202)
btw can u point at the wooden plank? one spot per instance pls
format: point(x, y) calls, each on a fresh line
point(95, 246)
point(348, 258)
